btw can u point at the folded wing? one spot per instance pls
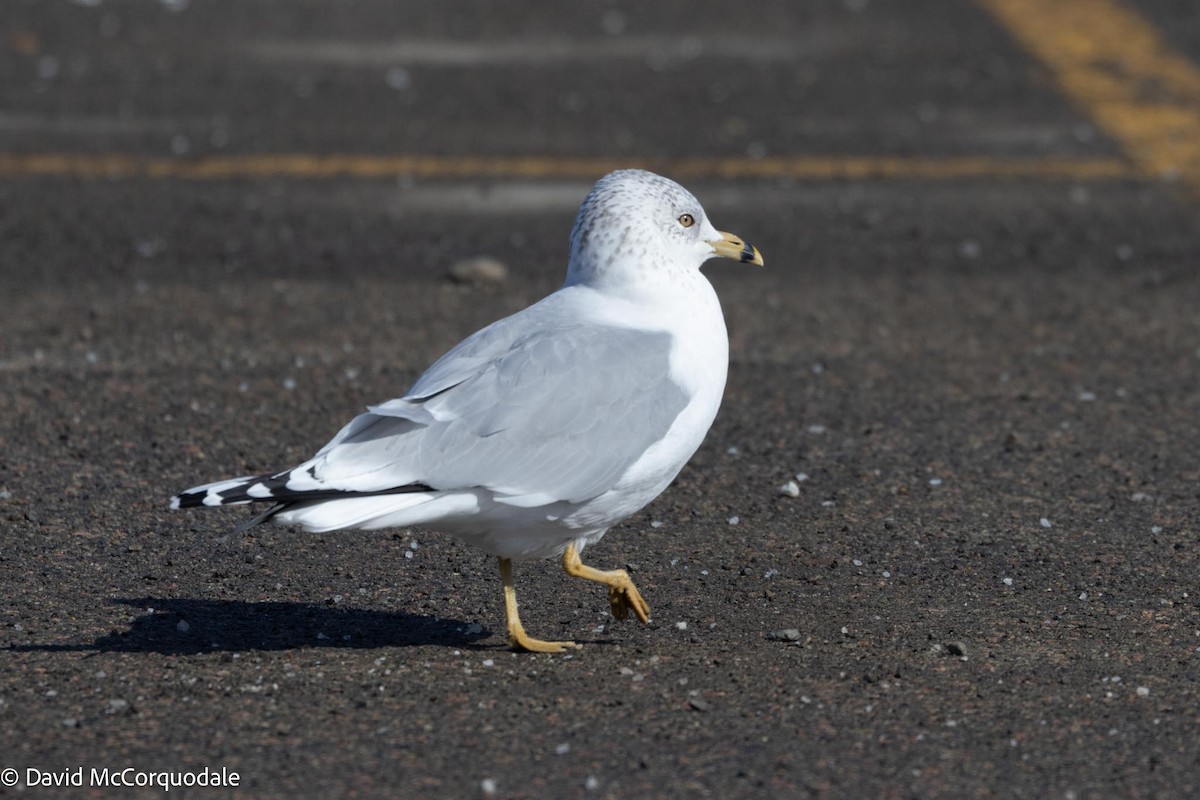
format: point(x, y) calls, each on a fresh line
point(556, 412)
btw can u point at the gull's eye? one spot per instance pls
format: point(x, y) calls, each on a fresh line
point(687, 220)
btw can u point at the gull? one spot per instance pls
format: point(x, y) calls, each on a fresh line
point(535, 435)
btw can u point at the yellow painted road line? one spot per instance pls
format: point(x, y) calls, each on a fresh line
point(448, 167)
point(1115, 65)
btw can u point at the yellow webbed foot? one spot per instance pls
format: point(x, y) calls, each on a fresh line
point(517, 638)
point(521, 641)
point(623, 596)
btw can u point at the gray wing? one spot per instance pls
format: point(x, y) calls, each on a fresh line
point(536, 414)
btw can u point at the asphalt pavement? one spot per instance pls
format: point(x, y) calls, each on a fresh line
point(941, 541)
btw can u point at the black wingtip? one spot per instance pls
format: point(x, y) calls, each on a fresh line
point(276, 491)
point(186, 500)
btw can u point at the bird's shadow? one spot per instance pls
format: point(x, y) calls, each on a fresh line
point(184, 626)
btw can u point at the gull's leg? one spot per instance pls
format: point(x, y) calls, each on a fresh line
point(622, 594)
point(517, 638)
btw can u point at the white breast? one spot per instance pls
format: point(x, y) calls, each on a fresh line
point(699, 363)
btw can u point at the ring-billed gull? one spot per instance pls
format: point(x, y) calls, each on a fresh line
point(537, 434)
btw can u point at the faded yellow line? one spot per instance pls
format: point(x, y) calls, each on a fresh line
point(301, 165)
point(1116, 66)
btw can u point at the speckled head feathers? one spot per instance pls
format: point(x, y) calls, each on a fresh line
point(634, 224)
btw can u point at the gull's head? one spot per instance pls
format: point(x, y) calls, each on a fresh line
point(635, 224)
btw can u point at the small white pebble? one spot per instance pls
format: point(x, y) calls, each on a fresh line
point(732, 451)
point(408, 553)
point(681, 626)
point(886, 574)
point(801, 477)
point(969, 248)
point(1045, 523)
point(790, 489)
point(1007, 581)
point(1083, 595)
point(1087, 397)
point(487, 662)
point(289, 383)
point(734, 520)
point(935, 481)
point(398, 78)
point(1156, 529)
point(816, 428)
point(1143, 691)
point(479, 270)
point(488, 785)
point(655, 524)
point(562, 749)
point(856, 563)
point(47, 68)
point(591, 784)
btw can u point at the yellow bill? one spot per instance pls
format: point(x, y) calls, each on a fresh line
point(732, 246)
